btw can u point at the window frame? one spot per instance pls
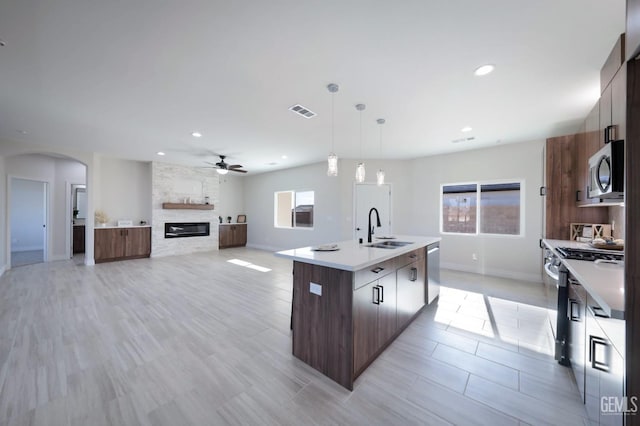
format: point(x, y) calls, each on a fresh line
point(292, 208)
point(479, 184)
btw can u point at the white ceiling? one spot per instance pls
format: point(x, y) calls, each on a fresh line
point(130, 78)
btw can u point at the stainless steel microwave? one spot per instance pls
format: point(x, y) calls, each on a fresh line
point(606, 172)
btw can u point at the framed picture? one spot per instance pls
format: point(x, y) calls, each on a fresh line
point(242, 218)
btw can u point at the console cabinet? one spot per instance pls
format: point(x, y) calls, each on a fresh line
point(232, 235)
point(121, 243)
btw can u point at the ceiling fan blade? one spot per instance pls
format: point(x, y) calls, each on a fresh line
point(238, 170)
point(235, 166)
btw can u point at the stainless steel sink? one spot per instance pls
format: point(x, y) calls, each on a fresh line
point(389, 244)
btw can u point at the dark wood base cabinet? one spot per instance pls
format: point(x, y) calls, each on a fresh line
point(343, 320)
point(78, 239)
point(232, 235)
point(121, 243)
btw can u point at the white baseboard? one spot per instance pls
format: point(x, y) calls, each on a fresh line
point(89, 262)
point(27, 248)
point(502, 273)
point(57, 257)
point(264, 247)
point(3, 268)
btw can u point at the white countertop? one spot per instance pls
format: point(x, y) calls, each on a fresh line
point(353, 256)
point(604, 282)
point(233, 223)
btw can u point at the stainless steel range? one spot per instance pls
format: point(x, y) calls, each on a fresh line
point(589, 255)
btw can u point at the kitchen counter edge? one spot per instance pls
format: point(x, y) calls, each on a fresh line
point(353, 256)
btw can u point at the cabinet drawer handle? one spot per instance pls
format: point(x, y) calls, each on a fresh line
point(377, 270)
point(414, 274)
point(376, 295)
point(381, 293)
point(413, 256)
point(572, 316)
point(578, 195)
point(594, 341)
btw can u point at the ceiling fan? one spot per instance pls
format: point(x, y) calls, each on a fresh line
point(223, 167)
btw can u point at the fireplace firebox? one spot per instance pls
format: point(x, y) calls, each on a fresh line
point(183, 230)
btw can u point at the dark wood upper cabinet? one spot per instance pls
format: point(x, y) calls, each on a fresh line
point(613, 63)
point(633, 29)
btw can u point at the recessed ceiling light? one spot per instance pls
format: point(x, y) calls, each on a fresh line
point(284, 157)
point(2, 43)
point(466, 129)
point(160, 153)
point(22, 132)
point(196, 134)
point(484, 70)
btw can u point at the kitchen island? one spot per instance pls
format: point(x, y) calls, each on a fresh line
point(349, 304)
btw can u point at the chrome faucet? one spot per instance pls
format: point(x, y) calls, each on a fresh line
point(373, 209)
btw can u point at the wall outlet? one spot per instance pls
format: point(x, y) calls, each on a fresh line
point(315, 288)
point(474, 257)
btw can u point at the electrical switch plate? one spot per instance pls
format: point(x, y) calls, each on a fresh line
point(315, 288)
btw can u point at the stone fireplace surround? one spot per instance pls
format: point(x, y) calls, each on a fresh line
point(175, 183)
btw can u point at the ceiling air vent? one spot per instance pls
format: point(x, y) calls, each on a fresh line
point(463, 139)
point(303, 111)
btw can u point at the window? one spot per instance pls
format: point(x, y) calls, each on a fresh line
point(482, 208)
point(294, 209)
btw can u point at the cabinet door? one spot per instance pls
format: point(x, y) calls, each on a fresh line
point(241, 235)
point(577, 328)
point(137, 241)
point(605, 113)
point(411, 290)
point(365, 324)
point(619, 102)
point(387, 321)
point(225, 238)
point(109, 244)
point(604, 373)
point(78, 239)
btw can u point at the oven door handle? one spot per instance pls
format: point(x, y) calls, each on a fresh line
point(547, 269)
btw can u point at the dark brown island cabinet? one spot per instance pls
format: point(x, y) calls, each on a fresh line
point(121, 243)
point(350, 304)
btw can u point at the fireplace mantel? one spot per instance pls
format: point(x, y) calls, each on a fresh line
point(183, 206)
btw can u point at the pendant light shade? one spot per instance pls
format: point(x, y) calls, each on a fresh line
point(332, 165)
point(332, 159)
point(360, 171)
point(380, 173)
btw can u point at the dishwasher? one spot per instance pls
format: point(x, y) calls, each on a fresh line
point(433, 272)
point(556, 291)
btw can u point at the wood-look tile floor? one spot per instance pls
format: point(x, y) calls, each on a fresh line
point(201, 340)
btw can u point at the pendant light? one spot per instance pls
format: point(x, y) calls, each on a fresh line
point(332, 159)
point(380, 173)
point(360, 171)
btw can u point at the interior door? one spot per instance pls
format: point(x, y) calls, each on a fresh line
point(28, 219)
point(367, 196)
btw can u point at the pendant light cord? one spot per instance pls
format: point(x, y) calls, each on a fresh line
point(333, 131)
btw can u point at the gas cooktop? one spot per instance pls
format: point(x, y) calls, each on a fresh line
point(589, 255)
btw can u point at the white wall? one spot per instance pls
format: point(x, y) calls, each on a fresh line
point(516, 257)
point(57, 172)
point(231, 196)
point(3, 216)
point(259, 206)
point(124, 190)
point(415, 205)
point(27, 215)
